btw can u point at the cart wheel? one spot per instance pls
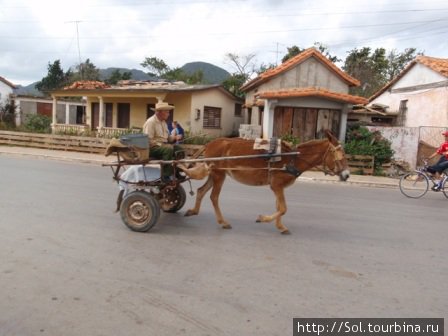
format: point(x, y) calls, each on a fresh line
point(139, 211)
point(173, 198)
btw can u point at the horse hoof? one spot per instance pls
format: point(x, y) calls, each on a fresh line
point(190, 213)
point(227, 226)
point(286, 232)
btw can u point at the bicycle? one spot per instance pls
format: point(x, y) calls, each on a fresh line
point(415, 184)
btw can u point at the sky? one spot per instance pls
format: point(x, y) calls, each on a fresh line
point(122, 33)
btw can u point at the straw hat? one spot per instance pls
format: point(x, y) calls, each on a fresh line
point(162, 106)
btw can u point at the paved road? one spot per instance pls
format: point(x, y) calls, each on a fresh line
point(70, 267)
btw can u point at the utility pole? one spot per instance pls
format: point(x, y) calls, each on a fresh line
point(81, 71)
point(276, 53)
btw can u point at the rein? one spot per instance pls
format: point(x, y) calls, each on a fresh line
point(337, 156)
point(334, 150)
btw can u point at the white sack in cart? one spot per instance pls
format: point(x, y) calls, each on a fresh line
point(138, 173)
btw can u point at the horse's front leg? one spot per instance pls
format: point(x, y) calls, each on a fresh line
point(218, 181)
point(201, 192)
point(281, 210)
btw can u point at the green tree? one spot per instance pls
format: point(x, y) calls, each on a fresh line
point(177, 74)
point(233, 84)
point(295, 50)
point(85, 71)
point(117, 76)
point(244, 67)
point(374, 69)
point(55, 79)
point(398, 61)
point(156, 66)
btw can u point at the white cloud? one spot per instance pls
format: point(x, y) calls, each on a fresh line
point(122, 33)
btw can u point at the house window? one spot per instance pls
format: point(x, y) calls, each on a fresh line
point(238, 110)
point(402, 111)
point(212, 117)
point(150, 110)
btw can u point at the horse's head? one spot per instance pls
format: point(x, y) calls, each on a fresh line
point(335, 159)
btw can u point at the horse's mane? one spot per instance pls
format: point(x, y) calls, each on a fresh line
point(312, 142)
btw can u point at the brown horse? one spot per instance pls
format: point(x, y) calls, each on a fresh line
point(261, 171)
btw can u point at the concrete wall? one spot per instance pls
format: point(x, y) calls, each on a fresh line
point(5, 91)
point(310, 73)
point(229, 123)
point(404, 141)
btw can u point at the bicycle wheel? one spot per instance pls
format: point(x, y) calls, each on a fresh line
point(445, 188)
point(414, 184)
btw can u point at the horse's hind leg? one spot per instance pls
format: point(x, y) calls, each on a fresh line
point(281, 210)
point(201, 192)
point(218, 181)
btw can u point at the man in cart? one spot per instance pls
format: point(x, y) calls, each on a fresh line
point(161, 144)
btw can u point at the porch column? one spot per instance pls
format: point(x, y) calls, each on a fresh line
point(343, 123)
point(53, 115)
point(268, 118)
point(101, 116)
point(67, 113)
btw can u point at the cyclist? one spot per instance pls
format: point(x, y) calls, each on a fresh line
point(442, 164)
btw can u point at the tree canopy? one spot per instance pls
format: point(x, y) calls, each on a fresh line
point(117, 76)
point(375, 68)
point(85, 71)
point(158, 68)
point(55, 79)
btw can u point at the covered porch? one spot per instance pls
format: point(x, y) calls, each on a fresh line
point(106, 113)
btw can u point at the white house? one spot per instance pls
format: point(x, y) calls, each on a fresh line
point(6, 89)
point(416, 104)
point(418, 95)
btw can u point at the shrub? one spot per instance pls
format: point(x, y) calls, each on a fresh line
point(291, 139)
point(37, 123)
point(7, 115)
point(360, 141)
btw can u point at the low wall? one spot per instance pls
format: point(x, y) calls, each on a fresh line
point(404, 141)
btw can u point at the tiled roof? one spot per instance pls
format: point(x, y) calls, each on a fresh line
point(313, 92)
point(439, 65)
point(7, 82)
point(311, 52)
point(87, 85)
point(139, 85)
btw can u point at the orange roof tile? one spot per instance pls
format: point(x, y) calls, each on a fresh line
point(86, 85)
point(310, 52)
point(313, 92)
point(439, 65)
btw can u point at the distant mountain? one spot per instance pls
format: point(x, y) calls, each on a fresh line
point(136, 74)
point(212, 73)
point(29, 90)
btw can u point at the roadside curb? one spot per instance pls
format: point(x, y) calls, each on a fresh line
point(366, 183)
point(96, 159)
point(56, 158)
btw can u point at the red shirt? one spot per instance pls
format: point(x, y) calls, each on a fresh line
point(443, 148)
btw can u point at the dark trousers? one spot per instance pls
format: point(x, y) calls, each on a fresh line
point(165, 152)
point(440, 166)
